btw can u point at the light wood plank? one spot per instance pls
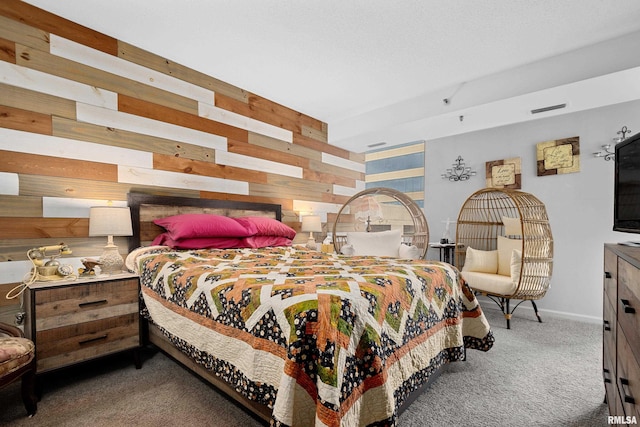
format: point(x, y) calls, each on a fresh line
point(314, 134)
point(159, 178)
point(26, 35)
point(267, 153)
point(282, 187)
point(35, 185)
point(25, 99)
point(153, 111)
point(68, 207)
point(177, 164)
point(395, 152)
point(335, 170)
point(166, 66)
point(24, 205)
point(118, 66)
point(95, 78)
point(286, 203)
point(38, 81)
point(147, 126)
point(120, 138)
point(47, 21)
point(283, 147)
point(243, 122)
point(330, 159)
point(241, 161)
point(398, 174)
point(9, 184)
point(27, 142)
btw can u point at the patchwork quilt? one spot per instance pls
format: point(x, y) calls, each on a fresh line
point(323, 339)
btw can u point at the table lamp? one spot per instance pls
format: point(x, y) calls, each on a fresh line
point(110, 221)
point(311, 223)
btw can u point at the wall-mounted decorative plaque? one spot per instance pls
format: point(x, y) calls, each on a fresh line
point(505, 173)
point(558, 156)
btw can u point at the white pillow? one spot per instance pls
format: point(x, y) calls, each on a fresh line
point(381, 243)
point(512, 226)
point(481, 261)
point(516, 265)
point(505, 251)
point(409, 251)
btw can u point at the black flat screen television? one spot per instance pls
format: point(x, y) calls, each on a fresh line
point(626, 211)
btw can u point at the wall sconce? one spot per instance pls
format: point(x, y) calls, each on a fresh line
point(608, 153)
point(458, 172)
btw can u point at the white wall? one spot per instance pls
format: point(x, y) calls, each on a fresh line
point(579, 205)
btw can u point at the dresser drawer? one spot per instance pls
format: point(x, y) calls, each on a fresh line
point(609, 348)
point(628, 379)
point(610, 275)
point(629, 303)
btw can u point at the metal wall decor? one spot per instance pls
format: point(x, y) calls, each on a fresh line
point(458, 171)
point(607, 152)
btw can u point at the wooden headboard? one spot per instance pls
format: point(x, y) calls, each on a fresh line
point(147, 207)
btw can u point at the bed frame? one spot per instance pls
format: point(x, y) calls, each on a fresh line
point(144, 208)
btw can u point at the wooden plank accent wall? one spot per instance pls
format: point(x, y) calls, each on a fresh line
point(86, 118)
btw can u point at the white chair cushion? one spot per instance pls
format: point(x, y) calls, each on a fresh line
point(505, 251)
point(481, 261)
point(492, 283)
point(381, 243)
point(512, 226)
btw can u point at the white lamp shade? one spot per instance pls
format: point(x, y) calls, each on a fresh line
point(110, 221)
point(311, 223)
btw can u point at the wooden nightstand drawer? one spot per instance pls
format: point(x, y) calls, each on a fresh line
point(57, 307)
point(74, 343)
point(76, 321)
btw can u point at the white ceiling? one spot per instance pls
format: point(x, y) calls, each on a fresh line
point(338, 60)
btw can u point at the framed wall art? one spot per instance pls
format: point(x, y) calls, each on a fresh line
point(505, 173)
point(558, 156)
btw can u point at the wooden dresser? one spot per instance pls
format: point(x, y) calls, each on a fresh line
point(621, 329)
point(74, 321)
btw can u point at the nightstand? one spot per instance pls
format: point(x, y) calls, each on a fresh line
point(74, 321)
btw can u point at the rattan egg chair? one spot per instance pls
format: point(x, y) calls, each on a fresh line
point(525, 257)
point(357, 215)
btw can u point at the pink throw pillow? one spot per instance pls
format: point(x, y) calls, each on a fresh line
point(269, 226)
point(188, 226)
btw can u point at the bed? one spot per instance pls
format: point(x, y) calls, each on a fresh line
point(301, 337)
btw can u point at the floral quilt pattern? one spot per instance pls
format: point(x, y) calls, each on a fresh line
point(326, 339)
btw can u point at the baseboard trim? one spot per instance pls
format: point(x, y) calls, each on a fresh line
point(487, 304)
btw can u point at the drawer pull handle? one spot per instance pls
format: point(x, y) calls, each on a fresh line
point(627, 396)
point(90, 340)
point(90, 303)
point(627, 306)
point(607, 326)
point(605, 375)
point(607, 275)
